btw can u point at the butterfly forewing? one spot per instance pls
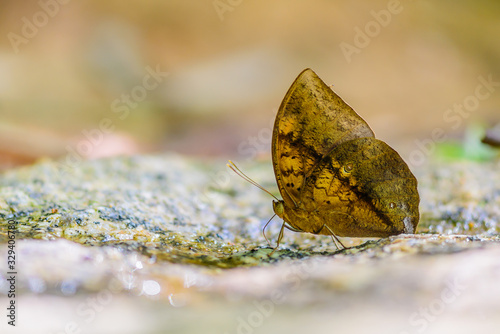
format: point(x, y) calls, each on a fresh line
point(311, 122)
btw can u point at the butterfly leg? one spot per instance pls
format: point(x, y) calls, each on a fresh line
point(280, 236)
point(264, 230)
point(291, 228)
point(334, 237)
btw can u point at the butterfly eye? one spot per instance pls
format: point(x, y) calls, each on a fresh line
point(348, 168)
point(392, 205)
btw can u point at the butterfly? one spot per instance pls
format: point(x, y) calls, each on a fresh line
point(334, 176)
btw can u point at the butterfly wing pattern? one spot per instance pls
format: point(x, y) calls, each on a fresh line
point(333, 175)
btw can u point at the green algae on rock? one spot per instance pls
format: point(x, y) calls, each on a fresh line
point(146, 204)
point(461, 198)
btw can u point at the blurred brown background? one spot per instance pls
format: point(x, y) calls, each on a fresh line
point(65, 67)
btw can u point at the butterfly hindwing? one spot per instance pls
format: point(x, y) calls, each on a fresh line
point(363, 188)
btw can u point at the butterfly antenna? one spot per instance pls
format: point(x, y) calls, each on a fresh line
point(249, 180)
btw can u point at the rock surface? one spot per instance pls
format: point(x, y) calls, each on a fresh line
point(168, 244)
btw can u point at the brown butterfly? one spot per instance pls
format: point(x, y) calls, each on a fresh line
point(334, 176)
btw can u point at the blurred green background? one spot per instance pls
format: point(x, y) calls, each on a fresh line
point(64, 65)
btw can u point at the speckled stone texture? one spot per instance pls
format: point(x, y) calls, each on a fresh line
point(155, 244)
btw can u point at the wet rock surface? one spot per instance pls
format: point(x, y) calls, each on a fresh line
point(169, 244)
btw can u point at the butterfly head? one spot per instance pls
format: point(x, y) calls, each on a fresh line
point(279, 208)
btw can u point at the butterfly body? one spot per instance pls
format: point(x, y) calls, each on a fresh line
point(333, 175)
